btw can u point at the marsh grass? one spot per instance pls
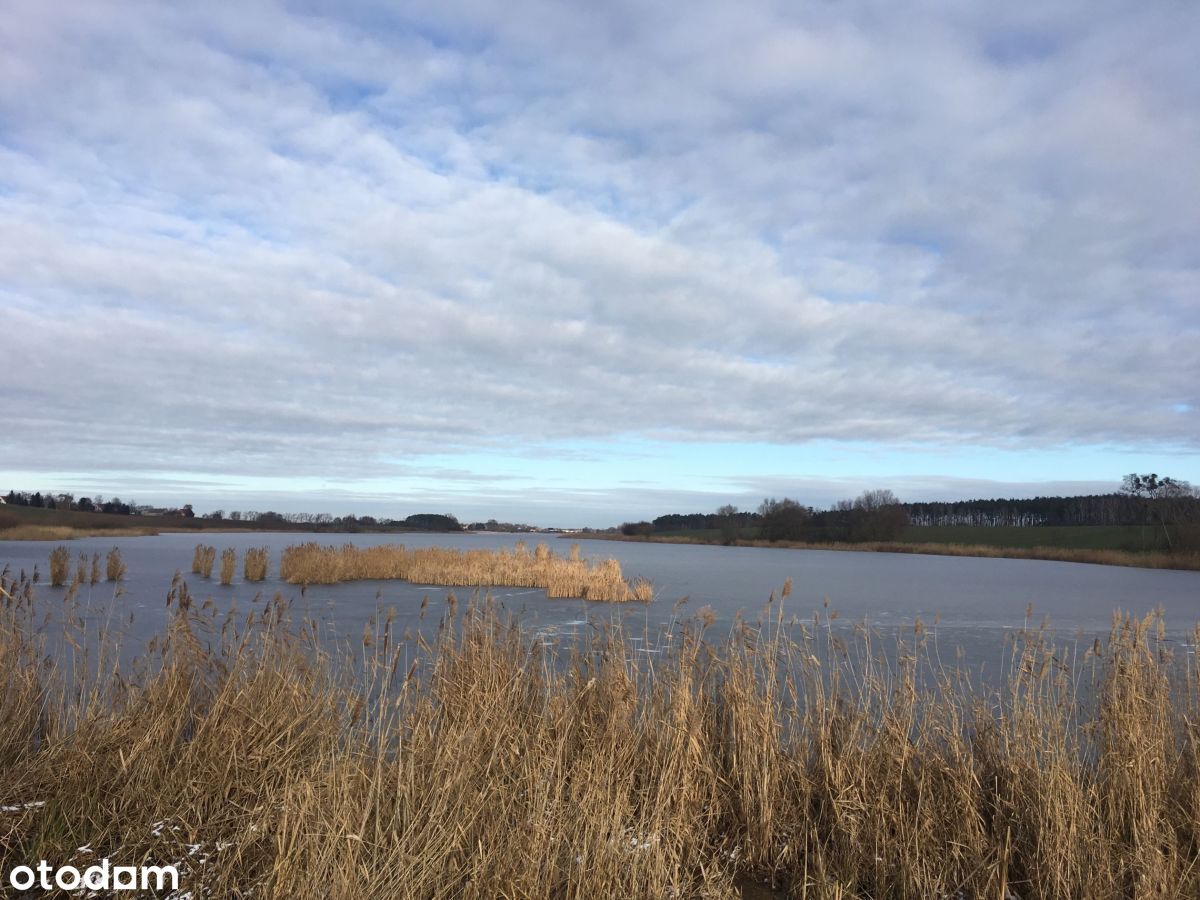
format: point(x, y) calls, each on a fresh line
point(68, 533)
point(81, 569)
point(255, 564)
point(228, 565)
point(115, 566)
point(94, 573)
point(60, 566)
point(815, 759)
point(571, 577)
point(203, 559)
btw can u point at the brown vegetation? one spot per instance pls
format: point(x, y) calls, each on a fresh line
point(115, 565)
point(228, 565)
point(492, 766)
point(255, 564)
point(60, 566)
point(203, 559)
point(572, 577)
point(68, 533)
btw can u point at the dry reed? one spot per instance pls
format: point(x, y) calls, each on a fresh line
point(572, 577)
point(94, 574)
point(802, 760)
point(60, 566)
point(115, 566)
point(68, 532)
point(203, 559)
point(256, 563)
point(228, 565)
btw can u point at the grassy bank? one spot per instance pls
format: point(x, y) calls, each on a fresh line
point(1156, 559)
point(484, 766)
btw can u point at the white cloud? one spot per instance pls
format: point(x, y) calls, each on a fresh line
point(260, 239)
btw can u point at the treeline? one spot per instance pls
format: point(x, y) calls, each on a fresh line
point(1169, 506)
point(39, 500)
point(255, 519)
point(872, 516)
point(702, 521)
point(347, 523)
point(1095, 509)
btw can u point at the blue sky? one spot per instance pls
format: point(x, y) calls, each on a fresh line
point(577, 263)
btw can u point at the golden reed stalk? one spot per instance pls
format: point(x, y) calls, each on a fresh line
point(492, 765)
point(572, 577)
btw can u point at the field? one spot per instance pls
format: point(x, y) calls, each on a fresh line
point(489, 765)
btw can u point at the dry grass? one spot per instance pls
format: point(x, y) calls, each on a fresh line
point(60, 566)
point(228, 565)
point(115, 566)
point(255, 564)
point(491, 766)
point(68, 533)
point(571, 577)
point(203, 559)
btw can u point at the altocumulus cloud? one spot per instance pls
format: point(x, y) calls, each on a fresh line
point(328, 238)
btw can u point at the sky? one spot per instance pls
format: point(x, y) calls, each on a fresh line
point(577, 263)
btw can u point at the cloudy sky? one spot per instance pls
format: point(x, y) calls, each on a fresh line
point(572, 263)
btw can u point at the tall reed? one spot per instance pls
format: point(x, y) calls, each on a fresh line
point(228, 565)
point(255, 564)
point(115, 566)
point(809, 761)
point(572, 577)
point(60, 566)
point(94, 573)
point(203, 559)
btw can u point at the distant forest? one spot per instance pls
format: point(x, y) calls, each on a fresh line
point(69, 503)
point(877, 515)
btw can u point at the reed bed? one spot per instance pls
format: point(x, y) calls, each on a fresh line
point(203, 559)
point(570, 577)
point(255, 564)
point(67, 532)
point(94, 572)
point(805, 761)
point(228, 565)
point(115, 565)
point(60, 566)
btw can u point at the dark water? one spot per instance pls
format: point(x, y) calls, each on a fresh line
point(968, 603)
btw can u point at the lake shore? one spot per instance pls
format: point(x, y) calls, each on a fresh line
point(1148, 560)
